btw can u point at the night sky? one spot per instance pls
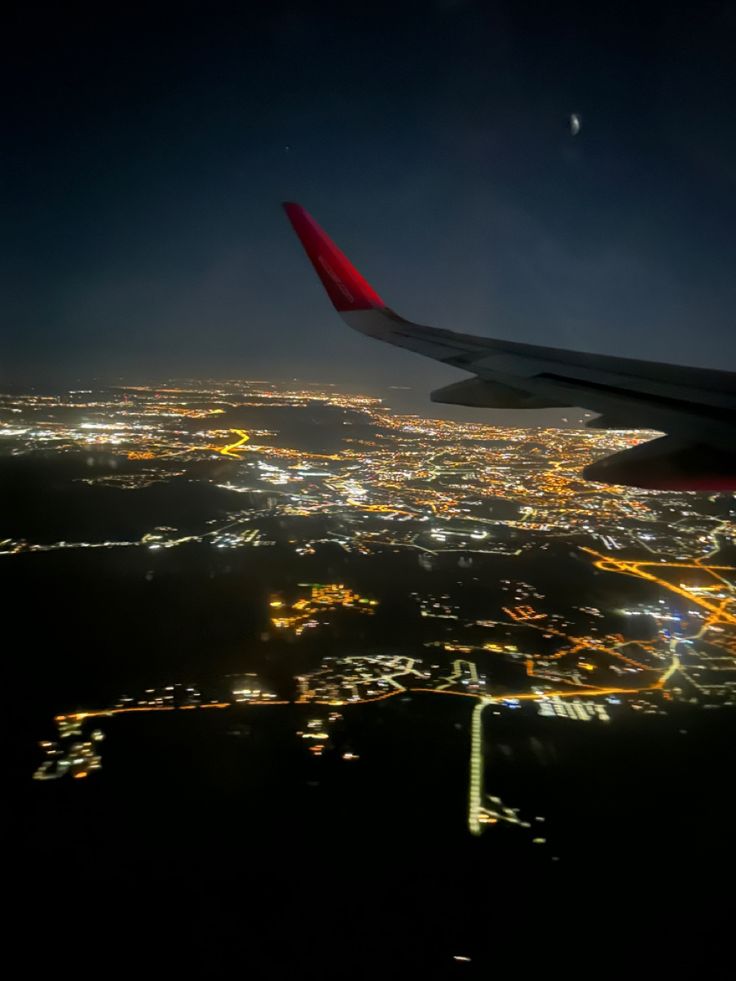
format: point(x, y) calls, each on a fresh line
point(144, 155)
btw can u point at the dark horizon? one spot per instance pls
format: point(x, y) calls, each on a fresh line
point(400, 399)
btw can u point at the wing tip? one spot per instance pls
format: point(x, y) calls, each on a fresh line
point(346, 288)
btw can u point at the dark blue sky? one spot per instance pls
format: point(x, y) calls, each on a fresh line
point(144, 155)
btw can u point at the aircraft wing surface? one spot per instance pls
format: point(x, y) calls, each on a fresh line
point(694, 407)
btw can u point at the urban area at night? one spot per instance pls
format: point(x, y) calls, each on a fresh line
point(361, 488)
point(368, 489)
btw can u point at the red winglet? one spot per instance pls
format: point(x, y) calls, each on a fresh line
point(345, 286)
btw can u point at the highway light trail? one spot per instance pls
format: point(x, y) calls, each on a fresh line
point(477, 765)
point(639, 569)
point(231, 447)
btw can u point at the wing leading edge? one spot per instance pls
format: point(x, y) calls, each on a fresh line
point(695, 407)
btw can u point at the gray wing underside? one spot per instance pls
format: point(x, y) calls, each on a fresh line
point(509, 374)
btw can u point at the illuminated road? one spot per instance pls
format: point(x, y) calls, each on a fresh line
point(231, 447)
point(477, 758)
point(674, 666)
point(477, 766)
point(607, 563)
point(483, 700)
point(128, 709)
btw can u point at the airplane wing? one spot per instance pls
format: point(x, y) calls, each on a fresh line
point(694, 407)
